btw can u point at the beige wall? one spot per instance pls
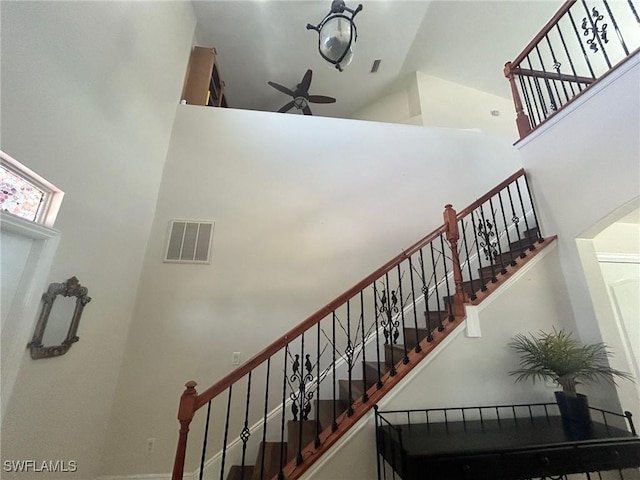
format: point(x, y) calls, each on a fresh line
point(89, 91)
point(430, 101)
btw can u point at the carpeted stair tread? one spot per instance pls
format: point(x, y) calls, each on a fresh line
point(272, 459)
point(357, 390)
point(239, 472)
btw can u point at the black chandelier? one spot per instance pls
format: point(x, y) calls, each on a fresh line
point(337, 34)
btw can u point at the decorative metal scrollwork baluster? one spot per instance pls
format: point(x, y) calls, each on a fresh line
point(590, 27)
point(300, 396)
point(388, 309)
point(488, 242)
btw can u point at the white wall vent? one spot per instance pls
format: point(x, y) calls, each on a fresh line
point(189, 241)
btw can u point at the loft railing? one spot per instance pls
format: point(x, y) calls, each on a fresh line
point(582, 42)
point(274, 416)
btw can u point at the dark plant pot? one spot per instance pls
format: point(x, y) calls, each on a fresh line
point(574, 412)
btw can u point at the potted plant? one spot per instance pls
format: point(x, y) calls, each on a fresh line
point(558, 357)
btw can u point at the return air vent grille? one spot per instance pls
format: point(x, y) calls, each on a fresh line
point(189, 242)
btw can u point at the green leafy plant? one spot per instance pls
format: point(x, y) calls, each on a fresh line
point(561, 358)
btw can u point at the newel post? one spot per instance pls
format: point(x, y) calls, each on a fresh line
point(453, 235)
point(522, 121)
point(185, 415)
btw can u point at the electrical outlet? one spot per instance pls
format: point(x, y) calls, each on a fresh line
point(151, 443)
point(235, 358)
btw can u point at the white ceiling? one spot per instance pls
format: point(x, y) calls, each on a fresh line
point(467, 42)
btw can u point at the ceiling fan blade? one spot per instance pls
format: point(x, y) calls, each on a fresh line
point(282, 89)
point(306, 81)
point(306, 110)
point(321, 99)
point(287, 107)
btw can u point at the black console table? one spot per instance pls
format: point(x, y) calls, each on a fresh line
point(505, 442)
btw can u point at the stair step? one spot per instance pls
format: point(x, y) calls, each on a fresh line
point(433, 318)
point(413, 336)
point(527, 239)
point(357, 390)
point(294, 445)
point(240, 472)
point(324, 410)
point(469, 287)
point(371, 369)
point(398, 354)
point(273, 453)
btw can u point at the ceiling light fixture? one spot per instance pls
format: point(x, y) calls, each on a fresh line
point(337, 34)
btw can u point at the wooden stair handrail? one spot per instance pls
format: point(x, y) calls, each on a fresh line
point(226, 381)
point(552, 75)
point(546, 29)
point(232, 377)
point(466, 211)
point(191, 401)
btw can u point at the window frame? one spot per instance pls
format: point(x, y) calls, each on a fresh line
point(50, 204)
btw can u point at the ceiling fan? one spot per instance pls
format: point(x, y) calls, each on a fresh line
point(301, 97)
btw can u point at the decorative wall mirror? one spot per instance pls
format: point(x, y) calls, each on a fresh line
point(62, 306)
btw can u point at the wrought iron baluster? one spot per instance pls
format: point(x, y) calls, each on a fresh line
point(584, 52)
point(556, 66)
point(375, 314)
point(503, 270)
point(204, 441)
point(437, 292)
point(264, 419)
point(349, 354)
point(334, 424)
point(415, 311)
point(535, 103)
point(635, 12)
point(599, 34)
point(527, 101)
point(446, 280)
point(472, 293)
point(524, 215)
point(506, 229)
point(365, 396)
point(283, 414)
point(245, 434)
point(615, 26)
point(304, 402)
point(388, 308)
point(425, 294)
point(226, 434)
point(573, 69)
point(552, 100)
point(516, 221)
point(476, 235)
point(316, 441)
point(486, 234)
point(536, 81)
point(539, 236)
point(405, 359)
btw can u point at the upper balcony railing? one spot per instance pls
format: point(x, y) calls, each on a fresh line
point(581, 43)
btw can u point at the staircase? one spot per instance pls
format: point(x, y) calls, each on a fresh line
point(302, 437)
point(284, 408)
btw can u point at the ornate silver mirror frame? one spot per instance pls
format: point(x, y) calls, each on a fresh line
point(70, 288)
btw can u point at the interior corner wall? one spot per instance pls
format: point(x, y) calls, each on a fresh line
point(304, 207)
point(465, 371)
point(89, 93)
point(465, 107)
point(583, 166)
point(433, 102)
